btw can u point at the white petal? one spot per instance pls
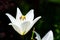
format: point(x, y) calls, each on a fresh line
point(19, 14)
point(30, 15)
point(48, 36)
point(16, 28)
point(32, 23)
point(36, 19)
point(12, 19)
point(25, 26)
point(37, 36)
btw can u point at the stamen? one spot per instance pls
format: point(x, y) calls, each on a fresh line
point(22, 17)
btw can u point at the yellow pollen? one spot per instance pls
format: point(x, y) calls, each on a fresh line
point(23, 17)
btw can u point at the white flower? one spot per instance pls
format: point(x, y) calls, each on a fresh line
point(22, 24)
point(48, 36)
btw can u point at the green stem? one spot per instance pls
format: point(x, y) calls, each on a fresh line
point(32, 34)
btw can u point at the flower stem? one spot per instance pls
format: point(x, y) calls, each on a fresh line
point(32, 34)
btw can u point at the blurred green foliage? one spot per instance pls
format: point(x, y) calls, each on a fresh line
point(55, 1)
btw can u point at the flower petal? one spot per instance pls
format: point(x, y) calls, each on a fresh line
point(25, 26)
point(32, 23)
point(48, 36)
point(12, 19)
point(30, 15)
point(37, 36)
point(36, 19)
point(19, 14)
point(16, 28)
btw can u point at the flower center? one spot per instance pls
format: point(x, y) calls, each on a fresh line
point(23, 17)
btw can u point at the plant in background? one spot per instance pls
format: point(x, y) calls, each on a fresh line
point(48, 36)
point(22, 24)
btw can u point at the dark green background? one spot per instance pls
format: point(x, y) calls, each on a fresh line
point(48, 9)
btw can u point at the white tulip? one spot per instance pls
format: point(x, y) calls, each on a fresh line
point(48, 36)
point(22, 24)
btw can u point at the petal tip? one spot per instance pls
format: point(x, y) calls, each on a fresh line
point(50, 31)
point(9, 24)
point(6, 14)
point(39, 16)
point(17, 8)
point(32, 9)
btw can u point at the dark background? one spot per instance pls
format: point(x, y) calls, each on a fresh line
point(48, 9)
